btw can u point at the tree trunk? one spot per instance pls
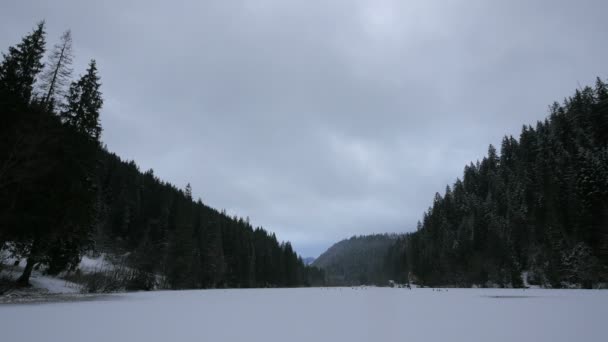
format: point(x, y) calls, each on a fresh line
point(24, 279)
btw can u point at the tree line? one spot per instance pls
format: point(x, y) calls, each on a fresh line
point(63, 194)
point(539, 208)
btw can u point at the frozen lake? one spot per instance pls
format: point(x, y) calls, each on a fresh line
point(317, 314)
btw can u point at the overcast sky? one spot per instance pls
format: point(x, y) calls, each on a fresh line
point(321, 119)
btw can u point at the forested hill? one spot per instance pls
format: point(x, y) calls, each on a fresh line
point(539, 207)
point(62, 194)
point(356, 261)
point(191, 244)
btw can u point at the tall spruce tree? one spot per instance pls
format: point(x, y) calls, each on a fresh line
point(19, 69)
point(50, 194)
point(83, 103)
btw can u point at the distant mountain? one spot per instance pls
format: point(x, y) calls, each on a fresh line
point(356, 261)
point(308, 261)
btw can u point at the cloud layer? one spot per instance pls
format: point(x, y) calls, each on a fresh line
point(322, 119)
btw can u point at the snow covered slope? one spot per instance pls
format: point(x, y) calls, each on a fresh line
point(317, 314)
point(53, 285)
point(42, 283)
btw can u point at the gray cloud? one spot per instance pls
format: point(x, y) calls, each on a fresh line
point(317, 119)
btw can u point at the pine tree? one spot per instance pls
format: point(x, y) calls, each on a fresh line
point(188, 191)
point(83, 103)
point(57, 74)
point(19, 69)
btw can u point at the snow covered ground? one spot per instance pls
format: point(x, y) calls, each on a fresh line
point(42, 283)
point(53, 285)
point(317, 314)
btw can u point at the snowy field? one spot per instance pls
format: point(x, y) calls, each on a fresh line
point(317, 314)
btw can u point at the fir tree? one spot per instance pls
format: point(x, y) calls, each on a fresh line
point(19, 69)
point(83, 103)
